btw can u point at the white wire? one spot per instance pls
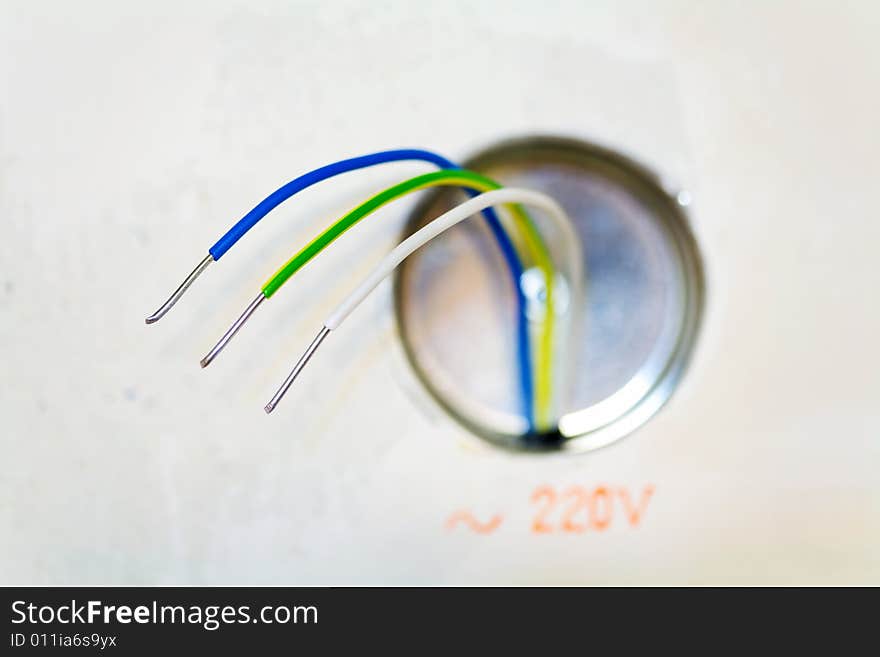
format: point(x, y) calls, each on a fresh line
point(424, 235)
point(442, 223)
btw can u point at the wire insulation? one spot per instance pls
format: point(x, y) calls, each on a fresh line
point(508, 251)
point(418, 239)
point(534, 243)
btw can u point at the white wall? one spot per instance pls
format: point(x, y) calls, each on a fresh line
point(130, 139)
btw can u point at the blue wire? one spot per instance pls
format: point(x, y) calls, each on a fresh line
point(318, 175)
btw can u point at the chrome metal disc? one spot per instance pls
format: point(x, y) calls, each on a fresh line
point(643, 298)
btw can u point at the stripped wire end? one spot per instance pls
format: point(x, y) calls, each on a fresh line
point(300, 364)
point(175, 297)
point(221, 344)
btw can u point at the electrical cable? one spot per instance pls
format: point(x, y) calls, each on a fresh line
point(243, 225)
point(539, 414)
point(234, 234)
point(405, 249)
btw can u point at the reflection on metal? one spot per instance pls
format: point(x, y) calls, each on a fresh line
point(300, 364)
point(232, 330)
point(183, 287)
point(643, 296)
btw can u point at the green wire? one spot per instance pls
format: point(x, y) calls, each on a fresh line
point(534, 243)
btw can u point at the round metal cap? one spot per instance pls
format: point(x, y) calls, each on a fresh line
point(643, 295)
